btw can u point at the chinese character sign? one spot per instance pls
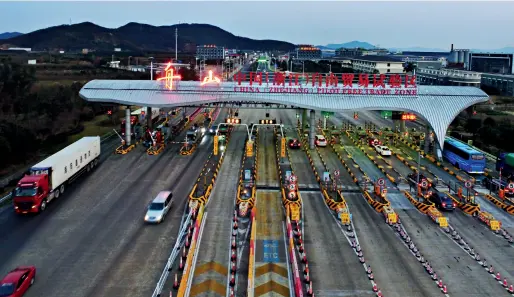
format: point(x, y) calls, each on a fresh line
point(169, 77)
point(210, 79)
point(409, 117)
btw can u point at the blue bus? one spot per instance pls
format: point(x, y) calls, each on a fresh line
point(463, 156)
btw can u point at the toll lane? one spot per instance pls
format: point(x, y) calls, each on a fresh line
point(211, 268)
point(494, 248)
point(96, 231)
point(271, 265)
point(334, 268)
point(462, 275)
point(396, 271)
point(267, 173)
point(298, 159)
point(499, 214)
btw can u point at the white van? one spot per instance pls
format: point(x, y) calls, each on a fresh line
point(159, 207)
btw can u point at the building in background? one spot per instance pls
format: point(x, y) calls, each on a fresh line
point(358, 52)
point(377, 64)
point(210, 52)
point(504, 84)
point(307, 52)
point(448, 77)
point(491, 63)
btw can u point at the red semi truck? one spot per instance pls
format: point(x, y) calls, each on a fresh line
point(48, 179)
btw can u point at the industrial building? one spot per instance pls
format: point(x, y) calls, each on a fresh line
point(210, 52)
point(448, 77)
point(503, 83)
point(459, 57)
point(377, 64)
point(491, 63)
point(307, 52)
point(358, 52)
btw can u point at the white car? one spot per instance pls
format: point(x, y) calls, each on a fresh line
point(383, 150)
point(320, 140)
point(159, 207)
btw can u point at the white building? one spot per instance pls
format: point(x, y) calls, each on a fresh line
point(380, 64)
point(27, 49)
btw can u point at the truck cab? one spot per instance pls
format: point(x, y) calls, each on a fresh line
point(30, 193)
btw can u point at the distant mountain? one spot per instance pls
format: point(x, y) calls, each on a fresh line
point(7, 35)
point(139, 37)
point(351, 44)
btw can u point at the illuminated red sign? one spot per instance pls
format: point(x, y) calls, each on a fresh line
point(210, 79)
point(346, 83)
point(409, 117)
point(169, 77)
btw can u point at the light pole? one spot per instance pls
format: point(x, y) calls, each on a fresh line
point(151, 68)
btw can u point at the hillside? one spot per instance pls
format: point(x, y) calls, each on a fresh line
point(135, 36)
point(351, 44)
point(9, 35)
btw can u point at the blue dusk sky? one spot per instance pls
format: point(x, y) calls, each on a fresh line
point(483, 25)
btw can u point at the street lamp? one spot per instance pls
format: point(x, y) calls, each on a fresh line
point(151, 68)
point(419, 165)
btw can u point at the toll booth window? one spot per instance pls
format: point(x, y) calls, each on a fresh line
point(65, 169)
point(71, 166)
point(85, 156)
point(76, 162)
point(80, 159)
point(89, 153)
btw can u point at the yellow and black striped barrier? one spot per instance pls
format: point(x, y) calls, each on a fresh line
point(469, 208)
point(155, 150)
point(422, 206)
point(508, 208)
point(122, 149)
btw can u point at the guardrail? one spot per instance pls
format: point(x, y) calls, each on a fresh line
point(174, 253)
point(490, 157)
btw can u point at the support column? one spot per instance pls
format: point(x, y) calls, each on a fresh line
point(402, 126)
point(149, 118)
point(128, 128)
point(304, 119)
point(312, 129)
point(427, 139)
point(184, 112)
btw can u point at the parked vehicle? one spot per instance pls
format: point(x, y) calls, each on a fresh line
point(48, 179)
point(17, 281)
point(159, 207)
point(442, 201)
point(212, 129)
point(374, 142)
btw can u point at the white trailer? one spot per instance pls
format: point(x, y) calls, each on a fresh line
point(67, 164)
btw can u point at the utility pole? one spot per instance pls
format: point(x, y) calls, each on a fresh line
point(176, 44)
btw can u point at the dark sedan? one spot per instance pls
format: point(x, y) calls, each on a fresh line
point(442, 201)
point(294, 143)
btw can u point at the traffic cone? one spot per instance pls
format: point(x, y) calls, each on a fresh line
point(232, 279)
point(375, 288)
point(371, 277)
point(440, 283)
point(233, 268)
point(304, 258)
point(300, 248)
point(181, 264)
point(233, 243)
point(235, 217)
point(369, 269)
point(184, 253)
point(434, 276)
point(491, 270)
point(505, 284)
point(511, 289)
point(309, 291)
point(235, 225)
point(187, 242)
point(175, 283)
point(233, 256)
point(232, 292)
point(361, 259)
point(445, 290)
point(498, 277)
point(379, 293)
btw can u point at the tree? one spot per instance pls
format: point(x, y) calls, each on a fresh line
point(489, 122)
point(409, 67)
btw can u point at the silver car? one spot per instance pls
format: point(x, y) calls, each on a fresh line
point(159, 207)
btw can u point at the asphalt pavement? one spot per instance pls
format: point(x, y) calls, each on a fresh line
point(93, 241)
